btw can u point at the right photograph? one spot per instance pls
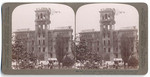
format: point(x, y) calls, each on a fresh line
point(107, 37)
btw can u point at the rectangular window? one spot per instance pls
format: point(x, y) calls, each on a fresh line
point(32, 48)
point(39, 34)
point(108, 42)
point(97, 49)
point(39, 49)
point(116, 55)
point(98, 43)
point(43, 42)
point(108, 49)
point(43, 34)
point(116, 49)
point(32, 42)
point(104, 49)
point(39, 42)
point(106, 16)
point(91, 48)
point(104, 35)
point(51, 48)
point(108, 34)
point(104, 43)
point(41, 15)
point(108, 27)
point(38, 17)
point(44, 27)
point(66, 48)
point(43, 49)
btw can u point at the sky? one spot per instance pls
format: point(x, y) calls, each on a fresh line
point(23, 16)
point(87, 16)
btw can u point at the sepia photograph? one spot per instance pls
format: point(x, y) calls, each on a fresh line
point(55, 36)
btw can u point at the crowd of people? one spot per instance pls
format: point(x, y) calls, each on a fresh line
point(77, 65)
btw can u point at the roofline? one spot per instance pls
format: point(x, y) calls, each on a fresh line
point(89, 32)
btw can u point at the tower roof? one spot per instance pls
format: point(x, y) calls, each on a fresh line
point(42, 9)
point(107, 10)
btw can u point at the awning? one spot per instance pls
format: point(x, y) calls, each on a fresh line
point(117, 59)
point(52, 59)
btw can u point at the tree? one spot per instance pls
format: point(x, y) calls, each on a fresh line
point(28, 60)
point(107, 57)
point(127, 43)
point(20, 55)
point(17, 50)
point(82, 50)
point(32, 57)
point(133, 60)
point(60, 47)
point(84, 53)
point(73, 49)
point(67, 61)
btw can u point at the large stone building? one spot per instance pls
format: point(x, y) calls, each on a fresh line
point(107, 41)
point(42, 41)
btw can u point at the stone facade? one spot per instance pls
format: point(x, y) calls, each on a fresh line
point(93, 42)
point(29, 40)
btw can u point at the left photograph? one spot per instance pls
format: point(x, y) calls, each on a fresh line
point(42, 36)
